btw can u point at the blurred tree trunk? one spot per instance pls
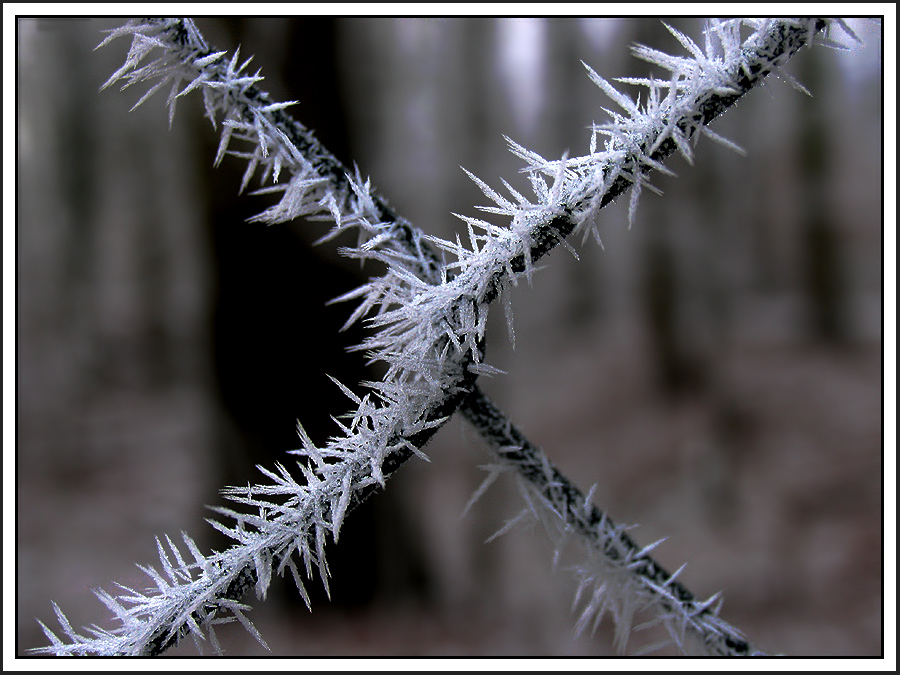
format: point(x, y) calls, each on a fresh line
point(113, 375)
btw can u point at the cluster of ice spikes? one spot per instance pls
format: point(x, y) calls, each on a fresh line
point(429, 317)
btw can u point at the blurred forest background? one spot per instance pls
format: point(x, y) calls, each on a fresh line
point(716, 369)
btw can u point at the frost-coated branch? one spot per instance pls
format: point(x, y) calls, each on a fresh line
point(621, 575)
point(430, 316)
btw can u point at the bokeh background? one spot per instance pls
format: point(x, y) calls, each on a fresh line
point(716, 370)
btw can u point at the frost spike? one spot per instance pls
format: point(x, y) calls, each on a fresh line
point(617, 96)
point(721, 140)
point(342, 503)
point(687, 43)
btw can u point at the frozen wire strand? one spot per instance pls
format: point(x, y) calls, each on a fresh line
point(567, 503)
